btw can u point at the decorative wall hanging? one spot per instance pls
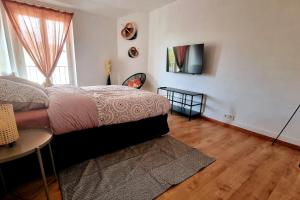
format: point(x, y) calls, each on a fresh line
point(129, 32)
point(108, 69)
point(133, 52)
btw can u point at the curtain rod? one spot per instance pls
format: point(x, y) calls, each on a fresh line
point(42, 5)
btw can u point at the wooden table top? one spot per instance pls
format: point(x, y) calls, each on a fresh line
point(28, 142)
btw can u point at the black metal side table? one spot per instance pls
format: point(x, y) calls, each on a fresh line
point(30, 141)
point(183, 99)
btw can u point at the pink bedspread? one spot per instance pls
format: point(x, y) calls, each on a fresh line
point(72, 108)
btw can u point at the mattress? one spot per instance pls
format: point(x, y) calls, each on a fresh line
point(32, 119)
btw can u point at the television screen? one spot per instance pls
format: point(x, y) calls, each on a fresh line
point(185, 59)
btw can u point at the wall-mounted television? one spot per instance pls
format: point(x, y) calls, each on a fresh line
point(187, 59)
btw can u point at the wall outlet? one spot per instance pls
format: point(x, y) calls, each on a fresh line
point(229, 117)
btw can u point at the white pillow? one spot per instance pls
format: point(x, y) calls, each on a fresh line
point(23, 97)
point(22, 81)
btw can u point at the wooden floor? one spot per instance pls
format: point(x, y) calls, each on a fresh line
point(246, 167)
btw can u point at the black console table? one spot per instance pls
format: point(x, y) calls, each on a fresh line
point(183, 99)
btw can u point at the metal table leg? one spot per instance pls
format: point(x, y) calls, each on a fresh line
point(201, 104)
point(3, 181)
point(38, 151)
point(52, 161)
point(191, 107)
point(172, 103)
point(182, 105)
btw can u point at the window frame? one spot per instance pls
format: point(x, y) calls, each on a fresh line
point(16, 54)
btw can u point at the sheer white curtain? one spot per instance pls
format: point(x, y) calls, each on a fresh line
point(11, 50)
point(5, 65)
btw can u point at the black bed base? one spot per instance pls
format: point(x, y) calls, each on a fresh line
point(81, 145)
point(78, 146)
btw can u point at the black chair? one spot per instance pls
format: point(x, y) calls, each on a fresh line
point(139, 76)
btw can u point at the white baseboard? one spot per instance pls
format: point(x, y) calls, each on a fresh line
point(271, 134)
point(284, 138)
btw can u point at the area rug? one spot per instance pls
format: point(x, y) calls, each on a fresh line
point(139, 172)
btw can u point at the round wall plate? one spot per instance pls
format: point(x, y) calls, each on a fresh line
point(129, 32)
point(133, 52)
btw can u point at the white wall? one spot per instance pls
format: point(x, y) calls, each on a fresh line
point(95, 42)
point(252, 58)
point(127, 66)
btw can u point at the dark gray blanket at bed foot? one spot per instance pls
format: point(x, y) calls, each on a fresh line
point(139, 172)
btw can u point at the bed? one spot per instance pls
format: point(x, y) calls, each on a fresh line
point(73, 108)
point(86, 122)
point(90, 121)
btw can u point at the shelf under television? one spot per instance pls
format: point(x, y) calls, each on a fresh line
point(184, 111)
point(186, 102)
point(183, 101)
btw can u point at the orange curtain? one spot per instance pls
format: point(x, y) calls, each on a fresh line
point(42, 32)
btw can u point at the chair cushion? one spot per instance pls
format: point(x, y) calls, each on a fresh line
point(135, 83)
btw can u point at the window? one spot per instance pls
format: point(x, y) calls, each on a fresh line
point(171, 59)
point(60, 74)
point(63, 73)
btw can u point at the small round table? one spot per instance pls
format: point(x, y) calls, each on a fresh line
point(30, 141)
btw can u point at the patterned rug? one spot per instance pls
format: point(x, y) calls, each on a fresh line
point(139, 172)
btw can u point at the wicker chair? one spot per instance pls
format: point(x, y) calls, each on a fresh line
point(141, 77)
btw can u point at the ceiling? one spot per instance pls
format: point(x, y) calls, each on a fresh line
point(110, 8)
